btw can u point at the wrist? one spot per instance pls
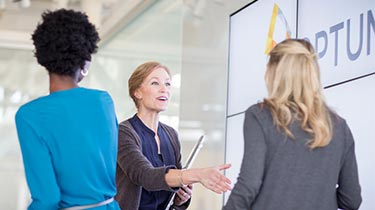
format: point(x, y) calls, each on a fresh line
point(181, 177)
point(191, 176)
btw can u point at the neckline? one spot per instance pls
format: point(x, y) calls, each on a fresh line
point(66, 90)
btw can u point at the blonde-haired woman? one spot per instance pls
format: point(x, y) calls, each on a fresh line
point(149, 158)
point(298, 153)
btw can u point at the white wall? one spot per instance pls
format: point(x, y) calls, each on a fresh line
point(247, 59)
point(344, 40)
point(355, 102)
point(348, 35)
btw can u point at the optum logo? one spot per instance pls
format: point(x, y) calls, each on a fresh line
point(277, 14)
point(366, 27)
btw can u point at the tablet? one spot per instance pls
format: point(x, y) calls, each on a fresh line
point(189, 162)
point(194, 152)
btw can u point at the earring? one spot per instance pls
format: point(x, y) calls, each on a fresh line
point(84, 72)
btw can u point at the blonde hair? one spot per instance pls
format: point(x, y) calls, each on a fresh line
point(139, 75)
point(295, 92)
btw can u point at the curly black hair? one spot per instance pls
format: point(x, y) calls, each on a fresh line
point(64, 41)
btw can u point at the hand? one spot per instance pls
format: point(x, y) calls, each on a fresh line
point(212, 179)
point(183, 195)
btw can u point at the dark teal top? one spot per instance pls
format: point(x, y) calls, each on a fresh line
point(68, 141)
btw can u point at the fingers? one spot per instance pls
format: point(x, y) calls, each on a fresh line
point(222, 185)
point(187, 189)
point(224, 166)
point(181, 194)
point(217, 182)
point(184, 195)
point(181, 198)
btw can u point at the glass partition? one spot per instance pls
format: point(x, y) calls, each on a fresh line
point(188, 36)
point(154, 35)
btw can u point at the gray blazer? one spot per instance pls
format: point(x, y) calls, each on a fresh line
point(280, 173)
point(134, 171)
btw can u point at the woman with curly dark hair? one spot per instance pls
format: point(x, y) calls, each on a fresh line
point(68, 138)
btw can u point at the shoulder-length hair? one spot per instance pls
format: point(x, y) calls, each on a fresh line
point(295, 91)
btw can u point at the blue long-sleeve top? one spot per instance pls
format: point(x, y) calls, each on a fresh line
point(68, 141)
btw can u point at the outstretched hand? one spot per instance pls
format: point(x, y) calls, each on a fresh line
point(213, 179)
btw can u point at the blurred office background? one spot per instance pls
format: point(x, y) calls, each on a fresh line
point(188, 36)
point(191, 37)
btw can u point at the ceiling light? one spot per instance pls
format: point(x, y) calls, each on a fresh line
point(23, 3)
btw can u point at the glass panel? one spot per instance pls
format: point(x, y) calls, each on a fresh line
point(154, 35)
point(204, 86)
point(21, 79)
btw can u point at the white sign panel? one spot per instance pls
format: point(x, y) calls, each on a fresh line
point(343, 34)
point(252, 31)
